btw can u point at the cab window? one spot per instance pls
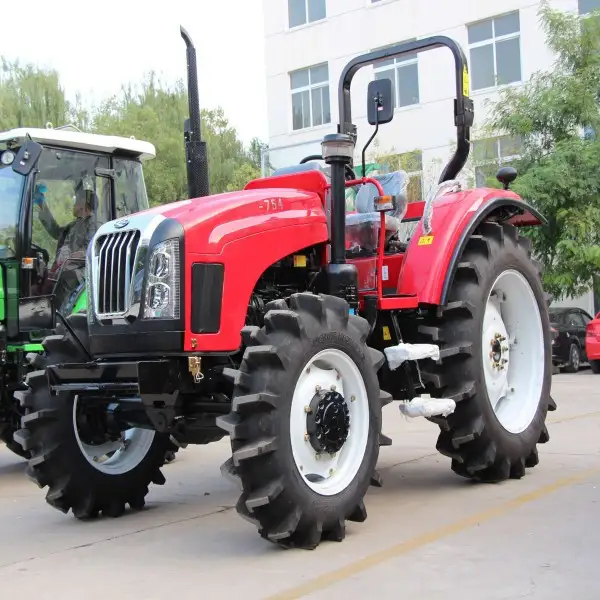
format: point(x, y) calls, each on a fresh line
point(131, 196)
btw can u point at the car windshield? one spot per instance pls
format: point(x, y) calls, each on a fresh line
point(11, 191)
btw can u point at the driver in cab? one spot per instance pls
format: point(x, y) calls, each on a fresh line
point(73, 239)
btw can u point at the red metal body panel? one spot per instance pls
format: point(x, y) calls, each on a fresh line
point(592, 339)
point(247, 231)
point(310, 181)
point(425, 266)
point(367, 271)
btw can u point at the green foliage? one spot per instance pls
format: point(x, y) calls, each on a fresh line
point(29, 95)
point(558, 168)
point(150, 110)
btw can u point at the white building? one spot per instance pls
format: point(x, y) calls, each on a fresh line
point(308, 43)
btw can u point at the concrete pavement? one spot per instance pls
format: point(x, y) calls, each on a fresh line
point(429, 534)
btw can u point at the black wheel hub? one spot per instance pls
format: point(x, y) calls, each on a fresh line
point(328, 422)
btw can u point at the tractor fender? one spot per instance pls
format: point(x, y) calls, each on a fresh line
point(431, 260)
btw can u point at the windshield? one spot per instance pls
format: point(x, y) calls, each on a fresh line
point(11, 191)
point(130, 187)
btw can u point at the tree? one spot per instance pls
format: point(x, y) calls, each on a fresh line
point(30, 96)
point(558, 165)
point(149, 110)
point(156, 112)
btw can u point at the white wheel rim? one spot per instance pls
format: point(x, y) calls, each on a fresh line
point(119, 457)
point(513, 351)
point(326, 370)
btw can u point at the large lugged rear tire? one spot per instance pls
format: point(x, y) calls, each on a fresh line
point(496, 358)
point(62, 461)
point(306, 420)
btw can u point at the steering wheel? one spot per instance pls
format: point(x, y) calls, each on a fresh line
point(350, 174)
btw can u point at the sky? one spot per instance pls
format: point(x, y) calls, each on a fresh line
point(97, 47)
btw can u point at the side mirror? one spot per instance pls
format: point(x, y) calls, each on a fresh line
point(27, 157)
point(380, 102)
point(36, 313)
point(506, 175)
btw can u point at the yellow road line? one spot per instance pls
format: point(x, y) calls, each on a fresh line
point(374, 560)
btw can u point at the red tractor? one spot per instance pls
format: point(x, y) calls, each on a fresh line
point(271, 315)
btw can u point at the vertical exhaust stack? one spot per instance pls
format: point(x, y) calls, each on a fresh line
point(195, 148)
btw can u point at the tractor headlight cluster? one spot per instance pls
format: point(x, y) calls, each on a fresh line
point(163, 282)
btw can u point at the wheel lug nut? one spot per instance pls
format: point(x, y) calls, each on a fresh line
point(330, 472)
point(306, 437)
point(307, 409)
point(317, 388)
point(352, 398)
point(332, 388)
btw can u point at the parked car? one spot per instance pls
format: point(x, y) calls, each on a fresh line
point(569, 337)
point(592, 343)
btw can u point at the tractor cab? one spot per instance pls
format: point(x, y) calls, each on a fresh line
point(57, 187)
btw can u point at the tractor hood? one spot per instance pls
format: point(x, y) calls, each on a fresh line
point(209, 223)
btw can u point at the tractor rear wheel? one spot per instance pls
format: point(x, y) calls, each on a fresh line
point(496, 358)
point(305, 421)
point(84, 474)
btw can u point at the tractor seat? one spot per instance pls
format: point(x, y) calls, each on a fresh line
point(362, 227)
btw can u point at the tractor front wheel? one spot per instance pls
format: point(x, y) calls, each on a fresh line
point(305, 421)
point(87, 469)
point(496, 358)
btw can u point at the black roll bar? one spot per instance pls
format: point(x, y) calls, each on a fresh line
point(463, 105)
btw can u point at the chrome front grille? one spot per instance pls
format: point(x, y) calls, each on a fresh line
point(116, 254)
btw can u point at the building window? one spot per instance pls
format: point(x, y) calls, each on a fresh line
point(310, 97)
point(495, 51)
point(305, 11)
point(404, 74)
point(490, 154)
point(588, 6)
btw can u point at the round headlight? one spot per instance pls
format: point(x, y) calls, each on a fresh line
point(158, 296)
point(7, 157)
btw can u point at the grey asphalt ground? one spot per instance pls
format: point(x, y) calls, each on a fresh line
point(429, 535)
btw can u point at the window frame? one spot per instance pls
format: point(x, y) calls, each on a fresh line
point(309, 88)
point(306, 23)
point(399, 63)
point(499, 160)
point(493, 42)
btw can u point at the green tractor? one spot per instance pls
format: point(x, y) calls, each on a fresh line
point(57, 187)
